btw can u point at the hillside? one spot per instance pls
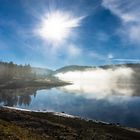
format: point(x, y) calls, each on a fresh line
point(83, 68)
point(72, 68)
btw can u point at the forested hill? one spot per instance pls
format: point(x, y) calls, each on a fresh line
point(135, 67)
point(72, 68)
point(10, 71)
point(14, 71)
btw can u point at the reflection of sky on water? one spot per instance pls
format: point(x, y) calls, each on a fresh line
point(106, 95)
point(118, 109)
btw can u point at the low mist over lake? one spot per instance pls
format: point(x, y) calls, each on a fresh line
point(108, 94)
point(100, 81)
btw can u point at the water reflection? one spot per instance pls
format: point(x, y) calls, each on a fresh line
point(107, 95)
point(114, 108)
point(89, 90)
point(14, 97)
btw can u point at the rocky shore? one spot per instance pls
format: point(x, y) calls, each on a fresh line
point(21, 125)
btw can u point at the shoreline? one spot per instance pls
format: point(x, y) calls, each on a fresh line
point(32, 83)
point(51, 125)
point(72, 116)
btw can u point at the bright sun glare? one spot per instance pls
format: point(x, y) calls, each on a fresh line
point(57, 26)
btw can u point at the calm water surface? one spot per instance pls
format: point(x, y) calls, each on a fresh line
point(120, 104)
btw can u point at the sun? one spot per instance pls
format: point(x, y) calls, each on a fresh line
point(57, 26)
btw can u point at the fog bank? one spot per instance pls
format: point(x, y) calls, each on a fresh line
point(99, 82)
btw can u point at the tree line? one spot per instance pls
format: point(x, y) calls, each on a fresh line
point(10, 71)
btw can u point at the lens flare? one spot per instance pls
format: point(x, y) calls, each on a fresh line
point(57, 26)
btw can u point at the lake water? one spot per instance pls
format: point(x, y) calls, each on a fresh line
point(120, 104)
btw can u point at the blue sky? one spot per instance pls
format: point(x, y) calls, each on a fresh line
point(99, 32)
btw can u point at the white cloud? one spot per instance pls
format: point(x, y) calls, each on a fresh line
point(110, 56)
point(129, 12)
point(134, 33)
point(74, 50)
point(127, 60)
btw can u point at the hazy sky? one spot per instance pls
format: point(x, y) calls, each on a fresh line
point(54, 33)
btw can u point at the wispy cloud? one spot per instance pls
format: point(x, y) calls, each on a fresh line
point(110, 56)
point(129, 12)
point(127, 60)
point(74, 51)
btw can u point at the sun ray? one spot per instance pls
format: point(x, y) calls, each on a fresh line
point(57, 26)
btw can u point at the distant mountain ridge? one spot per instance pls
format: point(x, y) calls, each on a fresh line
point(83, 68)
point(72, 68)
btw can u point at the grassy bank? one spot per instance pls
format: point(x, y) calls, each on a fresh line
point(15, 124)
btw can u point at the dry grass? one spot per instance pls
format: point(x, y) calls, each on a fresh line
point(22, 125)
